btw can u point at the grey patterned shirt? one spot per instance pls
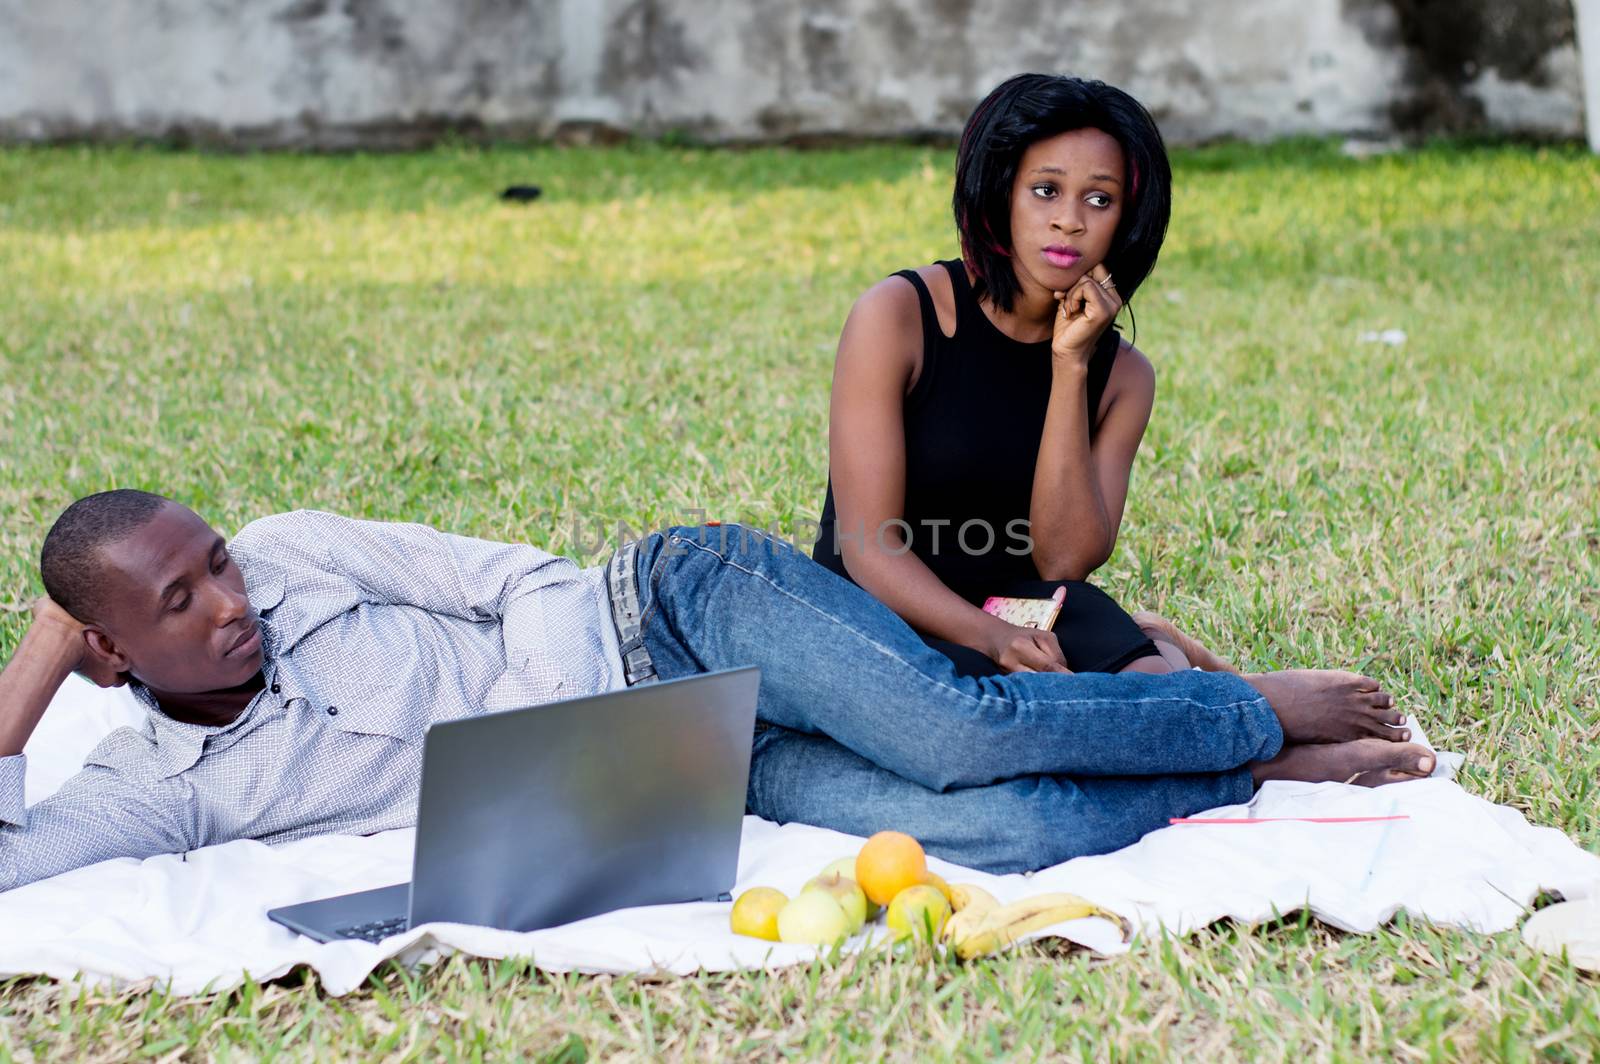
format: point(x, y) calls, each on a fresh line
point(370, 633)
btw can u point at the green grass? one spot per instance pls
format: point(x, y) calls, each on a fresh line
point(380, 336)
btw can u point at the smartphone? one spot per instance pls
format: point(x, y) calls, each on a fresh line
point(1038, 613)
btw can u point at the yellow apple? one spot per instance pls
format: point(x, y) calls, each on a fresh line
point(756, 913)
point(918, 911)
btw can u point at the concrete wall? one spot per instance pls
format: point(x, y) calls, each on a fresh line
point(341, 73)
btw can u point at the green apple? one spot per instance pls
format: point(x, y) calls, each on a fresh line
point(813, 918)
point(844, 891)
point(846, 867)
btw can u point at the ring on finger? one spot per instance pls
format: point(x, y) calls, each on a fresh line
point(1108, 284)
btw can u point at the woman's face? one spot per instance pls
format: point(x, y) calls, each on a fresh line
point(1065, 206)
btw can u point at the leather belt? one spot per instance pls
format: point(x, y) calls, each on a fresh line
point(622, 579)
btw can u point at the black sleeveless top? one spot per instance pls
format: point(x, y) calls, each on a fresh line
point(973, 422)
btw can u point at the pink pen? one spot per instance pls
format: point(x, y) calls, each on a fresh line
point(1284, 819)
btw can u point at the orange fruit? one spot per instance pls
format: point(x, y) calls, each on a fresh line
point(890, 862)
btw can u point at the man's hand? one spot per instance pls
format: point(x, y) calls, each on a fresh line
point(1083, 313)
point(63, 629)
point(53, 648)
point(1018, 649)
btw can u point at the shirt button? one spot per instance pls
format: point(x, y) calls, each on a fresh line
point(333, 711)
point(276, 688)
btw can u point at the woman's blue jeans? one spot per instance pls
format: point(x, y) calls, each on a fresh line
point(864, 727)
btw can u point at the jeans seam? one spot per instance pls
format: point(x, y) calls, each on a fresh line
point(654, 583)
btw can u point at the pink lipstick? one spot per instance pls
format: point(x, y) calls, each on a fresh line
point(1061, 256)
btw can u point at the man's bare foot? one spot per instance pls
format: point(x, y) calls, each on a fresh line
point(1327, 706)
point(1368, 762)
point(1155, 625)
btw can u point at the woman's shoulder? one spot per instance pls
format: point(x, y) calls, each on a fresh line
point(896, 301)
point(1132, 364)
point(891, 303)
point(884, 330)
point(898, 296)
point(1132, 377)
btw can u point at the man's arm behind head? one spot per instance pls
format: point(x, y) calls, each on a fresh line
point(53, 647)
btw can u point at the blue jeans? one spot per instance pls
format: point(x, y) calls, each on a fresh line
point(863, 727)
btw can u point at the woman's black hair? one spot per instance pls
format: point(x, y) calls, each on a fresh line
point(1029, 108)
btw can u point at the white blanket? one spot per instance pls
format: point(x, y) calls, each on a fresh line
point(198, 921)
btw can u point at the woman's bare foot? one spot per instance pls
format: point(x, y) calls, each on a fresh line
point(1155, 626)
point(1368, 762)
point(1327, 706)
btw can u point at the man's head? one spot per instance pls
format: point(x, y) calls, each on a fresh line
point(156, 591)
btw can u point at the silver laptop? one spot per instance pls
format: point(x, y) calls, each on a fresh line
point(541, 816)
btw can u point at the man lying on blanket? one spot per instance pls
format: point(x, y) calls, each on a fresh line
point(289, 676)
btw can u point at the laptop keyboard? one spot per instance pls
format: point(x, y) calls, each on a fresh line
point(376, 931)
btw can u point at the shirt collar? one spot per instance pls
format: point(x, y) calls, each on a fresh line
point(263, 585)
point(177, 745)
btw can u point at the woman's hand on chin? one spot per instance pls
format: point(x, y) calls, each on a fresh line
point(1083, 313)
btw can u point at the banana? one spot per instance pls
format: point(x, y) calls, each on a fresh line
point(999, 927)
point(962, 925)
point(965, 896)
point(970, 905)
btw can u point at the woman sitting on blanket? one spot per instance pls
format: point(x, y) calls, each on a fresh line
point(986, 412)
